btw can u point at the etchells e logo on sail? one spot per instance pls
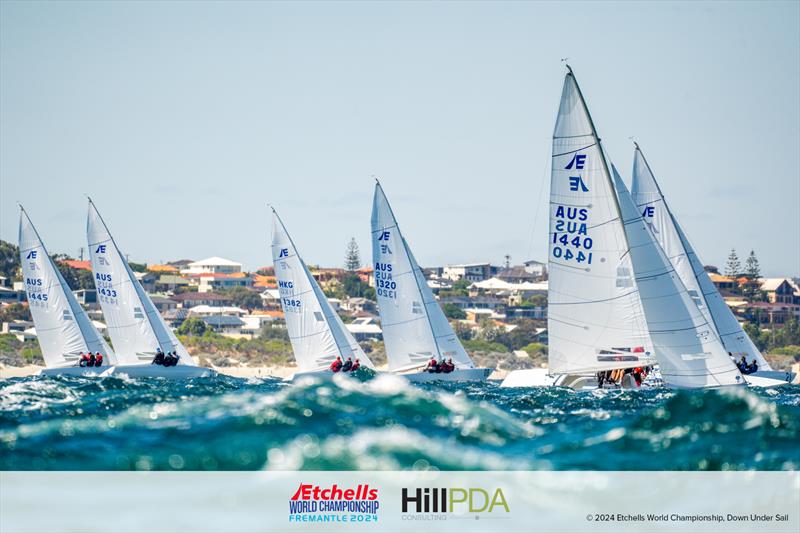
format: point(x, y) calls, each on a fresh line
point(443, 503)
point(313, 503)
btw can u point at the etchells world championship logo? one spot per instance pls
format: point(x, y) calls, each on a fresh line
point(312, 503)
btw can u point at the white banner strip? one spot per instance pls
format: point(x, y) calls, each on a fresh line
point(398, 501)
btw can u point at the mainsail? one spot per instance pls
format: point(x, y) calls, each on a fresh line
point(316, 331)
point(595, 317)
point(134, 324)
point(666, 230)
point(63, 329)
point(689, 352)
point(414, 326)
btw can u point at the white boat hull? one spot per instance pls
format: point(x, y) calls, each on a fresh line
point(539, 377)
point(87, 371)
point(325, 374)
point(769, 378)
point(460, 374)
point(158, 371)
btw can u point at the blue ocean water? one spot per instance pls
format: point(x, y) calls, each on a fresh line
point(73, 423)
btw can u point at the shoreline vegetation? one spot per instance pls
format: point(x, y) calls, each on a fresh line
point(271, 355)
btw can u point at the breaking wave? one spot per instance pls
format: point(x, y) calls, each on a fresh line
point(74, 423)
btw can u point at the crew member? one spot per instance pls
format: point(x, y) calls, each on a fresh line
point(356, 365)
point(336, 365)
point(98, 359)
point(347, 365)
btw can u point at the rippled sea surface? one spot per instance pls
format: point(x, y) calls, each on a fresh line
point(225, 423)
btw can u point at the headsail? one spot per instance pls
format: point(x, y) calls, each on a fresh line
point(316, 331)
point(595, 317)
point(414, 326)
point(666, 230)
point(134, 324)
point(689, 352)
point(62, 326)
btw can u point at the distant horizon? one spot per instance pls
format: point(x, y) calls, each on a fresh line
point(183, 122)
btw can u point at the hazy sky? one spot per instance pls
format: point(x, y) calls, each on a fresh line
point(183, 120)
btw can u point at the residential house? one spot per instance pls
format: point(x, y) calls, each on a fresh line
point(11, 296)
point(364, 329)
point(781, 290)
point(357, 305)
point(87, 298)
point(536, 312)
point(169, 283)
point(193, 299)
point(214, 282)
point(722, 283)
point(206, 310)
point(254, 322)
point(470, 271)
point(474, 302)
point(175, 317)
point(768, 313)
point(213, 265)
point(271, 299)
point(80, 265)
point(536, 267)
point(147, 280)
point(164, 269)
point(163, 304)
point(229, 326)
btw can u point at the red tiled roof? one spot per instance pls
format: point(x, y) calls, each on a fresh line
point(80, 265)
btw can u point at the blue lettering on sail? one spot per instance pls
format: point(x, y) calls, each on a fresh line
point(576, 183)
point(101, 249)
point(31, 255)
point(570, 239)
point(284, 252)
point(578, 161)
point(649, 211)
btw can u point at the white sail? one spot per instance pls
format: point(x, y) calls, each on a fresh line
point(414, 326)
point(63, 329)
point(316, 331)
point(666, 230)
point(595, 317)
point(134, 324)
point(689, 352)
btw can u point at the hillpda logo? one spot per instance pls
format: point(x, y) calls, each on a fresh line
point(441, 503)
point(312, 503)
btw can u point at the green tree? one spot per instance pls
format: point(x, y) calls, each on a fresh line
point(751, 267)
point(244, 297)
point(273, 331)
point(192, 326)
point(459, 288)
point(454, 312)
point(752, 271)
point(76, 278)
point(353, 287)
point(138, 267)
point(15, 311)
point(9, 260)
point(733, 267)
point(352, 258)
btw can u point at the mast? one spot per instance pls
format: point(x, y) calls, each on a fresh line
point(600, 149)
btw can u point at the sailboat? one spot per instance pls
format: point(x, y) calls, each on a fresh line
point(316, 331)
point(63, 328)
point(655, 211)
point(611, 285)
point(595, 317)
point(415, 329)
point(135, 326)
